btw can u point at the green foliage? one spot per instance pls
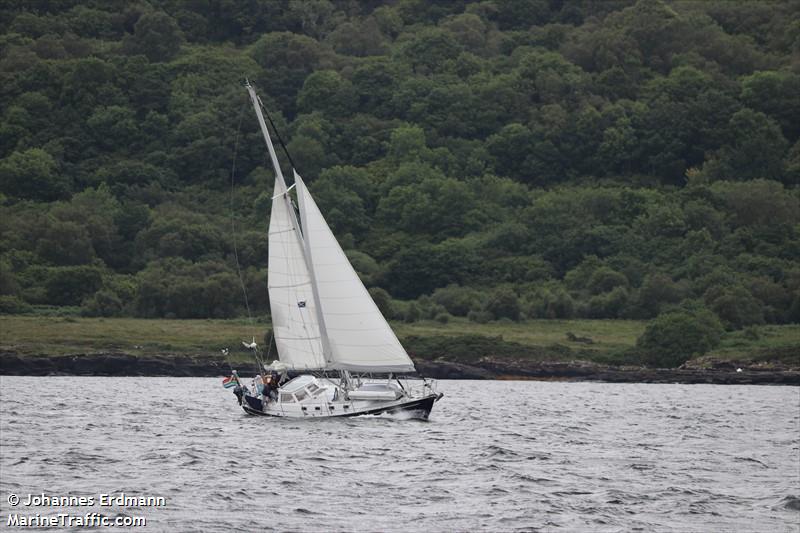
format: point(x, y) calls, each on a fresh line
point(458, 301)
point(412, 314)
point(597, 160)
point(503, 303)
point(674, 337)
point(12, 305)
point(735, 306)
point(157, 36)
point(32, 174)
point(442, 318)
point(177, 288)
point(70, 285)
point(383, 300)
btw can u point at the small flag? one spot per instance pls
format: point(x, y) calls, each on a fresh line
point(301, 303)
point(230, 381)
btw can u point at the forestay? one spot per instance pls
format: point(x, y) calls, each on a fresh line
point(358, 337)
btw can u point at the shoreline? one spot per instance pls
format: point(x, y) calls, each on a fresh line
point(122, 364)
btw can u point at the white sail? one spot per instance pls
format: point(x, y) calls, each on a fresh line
point(294, 314)
point(358, 337)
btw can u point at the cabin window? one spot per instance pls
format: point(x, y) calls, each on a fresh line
point(312, 387)
point(301, 395)
point(286, 397)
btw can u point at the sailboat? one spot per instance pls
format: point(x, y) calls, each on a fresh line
point(325, 324)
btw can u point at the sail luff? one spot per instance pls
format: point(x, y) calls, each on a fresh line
point(326, 347)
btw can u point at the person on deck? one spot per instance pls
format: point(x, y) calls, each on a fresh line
point(270, 388)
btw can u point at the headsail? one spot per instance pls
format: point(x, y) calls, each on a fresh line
point(359, 337)
point(291, 298)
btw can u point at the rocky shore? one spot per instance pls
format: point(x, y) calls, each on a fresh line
point(121, 364)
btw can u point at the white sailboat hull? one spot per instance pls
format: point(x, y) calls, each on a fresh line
point(419, 408)
point(308, 397)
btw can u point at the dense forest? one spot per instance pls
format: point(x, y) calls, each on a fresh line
point(494, 159)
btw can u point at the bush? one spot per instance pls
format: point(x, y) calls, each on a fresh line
point(442, 318)
point(12, 305)
point(103, 303)
point(432, 310)
point(458, 301)
point(479, 317)
point(605, 279)
point(503, 303)
point(609, 304)
point(412, 314)
point(736, 307)
point(674, 337)
point(383, 300)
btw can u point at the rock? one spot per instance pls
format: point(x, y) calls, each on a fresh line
point(488, 367)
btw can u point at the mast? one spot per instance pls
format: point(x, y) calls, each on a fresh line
point(257, 106)
point(326, 348)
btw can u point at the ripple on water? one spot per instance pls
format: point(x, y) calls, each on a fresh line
point(577, 457)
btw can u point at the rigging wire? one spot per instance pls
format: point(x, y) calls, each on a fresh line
point(277, 133)
point(233, 221)
point(233, 234)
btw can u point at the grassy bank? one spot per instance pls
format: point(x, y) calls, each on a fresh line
point(599, 340)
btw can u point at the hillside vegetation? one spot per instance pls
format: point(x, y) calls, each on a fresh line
point(492, 160)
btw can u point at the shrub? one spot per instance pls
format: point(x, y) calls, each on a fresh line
point(458, 301)
point(103, 303)
point(674, 337)
point(412, 314)
point(503, 303)
point(736, 307)
point(383, 300)
point(609, 304)
point(12, 305)
point(442, 318)
point(479, 317)
point(605, 279)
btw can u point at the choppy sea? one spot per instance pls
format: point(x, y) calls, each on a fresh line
point(494, 456)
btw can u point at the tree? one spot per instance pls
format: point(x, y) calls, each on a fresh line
point(157, 36)
point(458, 301)
point(755, 150)
point(289, 58)
point(114, 127)
point(736, 307)
point(776, 94)
point(674, 337)
point(328, 92)
point(70, 285)
point(32, 175)
point(383, 300)
point(503, 303)
point(428, 50)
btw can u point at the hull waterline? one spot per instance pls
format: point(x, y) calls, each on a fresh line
point(418, 408)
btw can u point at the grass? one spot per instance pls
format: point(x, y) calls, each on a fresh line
point(43, 335)
point(540, 339)
point(606, 335)
point(761, 343)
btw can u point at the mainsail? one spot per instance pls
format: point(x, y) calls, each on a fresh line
point(357, 334)
point(291, 298)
